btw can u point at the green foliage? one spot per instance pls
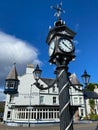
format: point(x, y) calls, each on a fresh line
point(1, 109)
point(85, 118)
point(93, 116)
point(92, 103)
point(91, 86)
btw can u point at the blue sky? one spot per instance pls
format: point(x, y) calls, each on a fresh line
point(24, 25)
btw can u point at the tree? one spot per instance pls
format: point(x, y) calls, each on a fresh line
point(92, 105)
point(91, 86)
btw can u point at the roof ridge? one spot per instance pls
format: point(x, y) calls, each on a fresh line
point(74, 80)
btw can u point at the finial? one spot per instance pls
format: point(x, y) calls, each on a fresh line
point(58, 9)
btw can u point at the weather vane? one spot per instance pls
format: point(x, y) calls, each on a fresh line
point(58, 9)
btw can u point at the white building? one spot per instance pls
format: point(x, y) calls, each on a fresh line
point(93, 96)
point(96, 101)
point(77, 97)
point(26, 104)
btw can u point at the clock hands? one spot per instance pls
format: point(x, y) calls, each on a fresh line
point(66, 45)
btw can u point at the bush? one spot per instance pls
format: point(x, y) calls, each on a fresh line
point(1, 109)
point(85, 118)
point(93, 116)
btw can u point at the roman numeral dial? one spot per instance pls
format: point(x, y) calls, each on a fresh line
point(65, 45)
point(51, 48)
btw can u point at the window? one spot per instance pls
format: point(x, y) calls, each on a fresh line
point(82, 112)
point(75, 100)
point(10, 84)
point(41, 99)
point(9, 114)
point(95, 111)
point(54, 100)
point(53, 89)
point(80, 100)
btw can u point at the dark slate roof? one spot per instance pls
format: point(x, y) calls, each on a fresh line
point(47, 80)
point(12, 74)
point(89, 94)
point(74, 80)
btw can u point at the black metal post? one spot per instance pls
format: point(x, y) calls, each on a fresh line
point(64, 99)
point(85, 108)
point(62, 80)
point(85, 77)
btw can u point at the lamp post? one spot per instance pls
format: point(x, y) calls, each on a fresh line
point(61, 52)
point(37, 73)
point(66, 114)
point(86, 78)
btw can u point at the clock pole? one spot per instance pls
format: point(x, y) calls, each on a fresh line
point(66, 115)
point(61, 52)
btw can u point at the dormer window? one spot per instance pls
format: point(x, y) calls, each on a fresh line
point(11, 82)
point(53, 88)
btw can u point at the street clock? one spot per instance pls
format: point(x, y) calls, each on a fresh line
point(60, 42)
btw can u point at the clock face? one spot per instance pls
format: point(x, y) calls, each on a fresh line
point(51, 48)
point(66, 45)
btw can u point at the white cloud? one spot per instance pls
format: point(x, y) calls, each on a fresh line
point(16, 50)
